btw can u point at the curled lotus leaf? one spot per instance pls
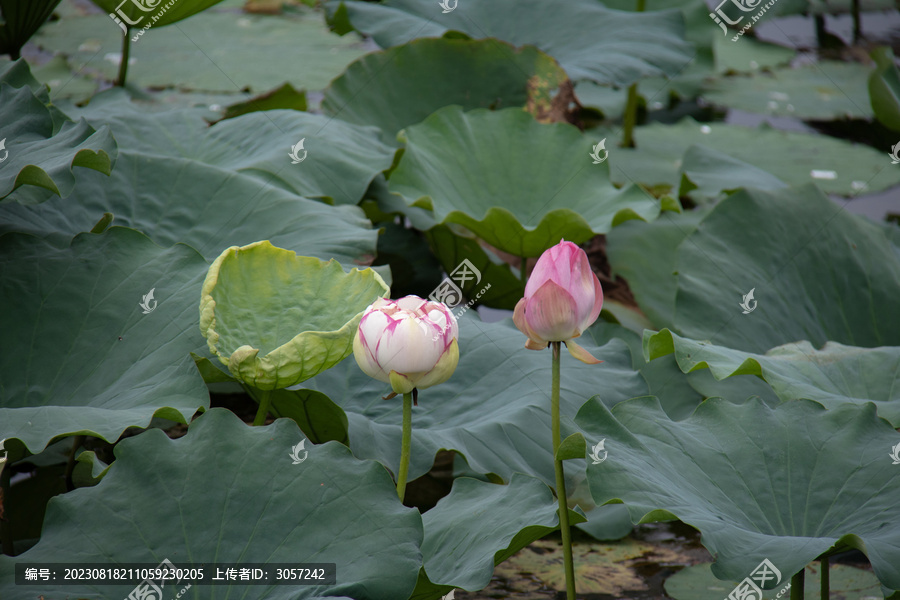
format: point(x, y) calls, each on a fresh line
point(276, 319)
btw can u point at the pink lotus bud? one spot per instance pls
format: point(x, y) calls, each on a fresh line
point(409, 343)
point(563, 297)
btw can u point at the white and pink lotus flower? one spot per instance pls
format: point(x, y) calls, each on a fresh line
point(410, 343)
point(562, 299)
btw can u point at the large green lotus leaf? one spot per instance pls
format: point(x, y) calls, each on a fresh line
point(737, 389)
point(494, 409)
point(829, 7)
point(276, 319)
point(687, 82)
point(82, 356)
point(625, 315)
point(714, 56)
point(178, 500)
point(833, 375)
point(518, 184)
point(400, 86)
point(645, 254)
point(785, 483)
point(388, 206)
point(680, 392)
point(884, 88)
point(892, 231)
point(141, 12)
point(35, 155)
point(795, 158)
point(414, 269)
point(338, 160)
point(451, 249)
point(316, 415)
point(201, 53)
point(479, 525)
point(707, 174)
point(177, 182)
point(589, 41)
point(175, 200)
point(818, 273)
point(18, 74)
point(750, 56)
point(19, 21)
point(608, 100)
point(664, 380)
point(821, 91)
point(322, 420)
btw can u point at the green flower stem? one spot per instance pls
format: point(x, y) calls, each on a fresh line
point(265, 399)
point(561, 479)
point(404, 446)
point(797, 583)
point(123, 66)
point(77, 442)
point(820, 31)
point(523, 270)
point(630, 117)
point(825, 576)
point(6, 541)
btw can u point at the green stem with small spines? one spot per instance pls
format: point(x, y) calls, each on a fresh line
point(568, 561)
point(405, 442)
point(265, 400)
point(631, 105)
point(123, 65)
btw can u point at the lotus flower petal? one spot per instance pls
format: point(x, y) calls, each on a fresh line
point(409, 343)
point(563, 297)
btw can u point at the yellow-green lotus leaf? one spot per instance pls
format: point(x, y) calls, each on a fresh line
point(276, 319)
